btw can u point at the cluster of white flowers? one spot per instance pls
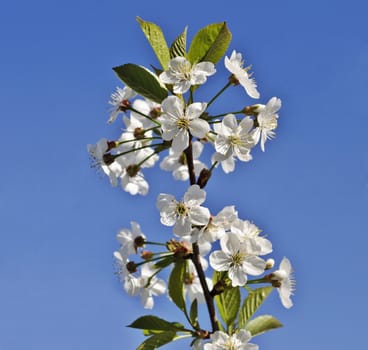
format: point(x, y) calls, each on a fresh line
point(151, 128)
point(147, 285)
point(240, 241)
point(225, 244)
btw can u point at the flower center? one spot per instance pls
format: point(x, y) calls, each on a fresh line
point(235, 140)
point(230, 345)
point(181, 209)
point(182, 123)
point(270, 124)
point(184, 73)
point(237, 259)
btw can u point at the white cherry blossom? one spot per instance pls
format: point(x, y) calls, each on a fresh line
point(235, 65)
point(118, 100)
point(245, 229)
point(218, 225)
point(112, 169)
point(177, 123)
point(128, 238)
point(267, 121)
point(182, 215)
point(222, 341)
point(238, 258)
point(183, 75)
point(287, 282)
point(233, 138)
point(147, 285)
point(150, 286)
point(131, 283)
point(132, 178)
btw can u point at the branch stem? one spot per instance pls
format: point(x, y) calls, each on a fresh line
point(196, 256)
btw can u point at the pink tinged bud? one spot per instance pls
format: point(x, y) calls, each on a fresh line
point(147, 255)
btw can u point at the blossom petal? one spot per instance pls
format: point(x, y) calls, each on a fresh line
point(195, 110)
point(182, 227)
point(219, 261)
point(182, 87)
point(207, 68)
point(250, 86)
point(194, 196)
point(199, 215)
point(254, 265)
point(180, 141)
point(229, 124)
point(237, 275)
point(173, 106)
point(199, 127)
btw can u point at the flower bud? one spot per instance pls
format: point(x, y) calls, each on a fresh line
point(155, 112)
point(146, 255)
point(270, 263)
point(203, 178)
point(253, 110)
point(139, 133)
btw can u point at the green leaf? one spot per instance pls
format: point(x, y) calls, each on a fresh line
point(143, 81)
point(210, 43)
point(179, 46)
point(176, 284)
point(147, 332)
point(154, 323)
point(193, 314)
point(228, 304)
point(262, 324)
point(252, 303)
point(157, 340)
point(157, 41)
point(164, 262)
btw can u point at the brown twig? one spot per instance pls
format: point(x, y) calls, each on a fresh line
point(196, 256)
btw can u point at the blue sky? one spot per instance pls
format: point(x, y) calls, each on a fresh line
point(59, 218)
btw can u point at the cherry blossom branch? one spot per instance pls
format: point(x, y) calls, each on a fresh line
point(206, 292)
point(190, 163)
point(196, 256)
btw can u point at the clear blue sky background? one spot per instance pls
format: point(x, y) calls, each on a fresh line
point(308, 191)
